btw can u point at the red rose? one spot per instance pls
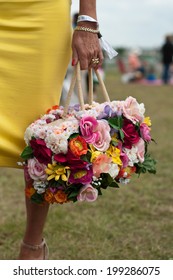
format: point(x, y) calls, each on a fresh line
point(40, 151)
point(131, 135)
point(74, 161)
point(60, 158)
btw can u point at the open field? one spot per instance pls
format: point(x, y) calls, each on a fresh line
point(133, 222)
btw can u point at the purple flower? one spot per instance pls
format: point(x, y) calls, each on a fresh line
point(107, 113)
point(82, 176)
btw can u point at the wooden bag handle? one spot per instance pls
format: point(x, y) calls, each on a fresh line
point(76, 79)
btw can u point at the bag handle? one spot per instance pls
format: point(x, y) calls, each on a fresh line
point(76, 79)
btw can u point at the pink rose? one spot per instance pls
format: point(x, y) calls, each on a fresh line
point(140, 149)
point(145, 132)
point(87, 193)
point(123, 156)
point(36, 170)
point(132, 110)
point(125, 160)
point(88, 127)
point(101, 165)
point(103, 139)
point(131, 135)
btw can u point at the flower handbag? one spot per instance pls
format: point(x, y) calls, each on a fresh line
point(73, 153)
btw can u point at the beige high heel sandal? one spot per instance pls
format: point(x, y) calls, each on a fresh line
point(42, 245)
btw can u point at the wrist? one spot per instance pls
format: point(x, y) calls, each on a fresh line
point(88, 24)
point(88, 21)
point(87, 29)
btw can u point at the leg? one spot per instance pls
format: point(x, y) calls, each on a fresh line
point(35, 221)
point(165, 76)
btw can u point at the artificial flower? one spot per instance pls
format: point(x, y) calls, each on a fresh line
point(145, 132)
point(83, 176)
point(140, 150)
point(36, 169)
point(147, 121)
point(57, 171)
point(132, 110)
point(88, 127)
point(94, 153)
point(131, 135)
point(125, 173)
point(103, 138)
point(40, 151)
point(114, 153)
point(29, 191)
point(87, 193)
point(40, 186)
point(49, 196)
point(75, 162)
point(78, 146)
point(101, 165)
point(73, 158)
point(60, 197)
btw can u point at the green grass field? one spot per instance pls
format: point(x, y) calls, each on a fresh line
point(132, 222)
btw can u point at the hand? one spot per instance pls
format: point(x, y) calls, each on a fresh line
point(86, 47)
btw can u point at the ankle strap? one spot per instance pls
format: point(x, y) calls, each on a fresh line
point(34, 247)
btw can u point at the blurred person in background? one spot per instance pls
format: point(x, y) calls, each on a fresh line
point(135, 70)
point(167, 58)
point(135, 65)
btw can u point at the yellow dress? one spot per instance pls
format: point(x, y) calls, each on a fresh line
point(35, 40)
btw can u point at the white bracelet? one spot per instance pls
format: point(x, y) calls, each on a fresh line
point(86, 18)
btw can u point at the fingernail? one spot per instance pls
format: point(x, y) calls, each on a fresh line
point(73, 62)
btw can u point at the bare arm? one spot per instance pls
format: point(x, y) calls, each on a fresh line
point(88, 7)
point(85, 45)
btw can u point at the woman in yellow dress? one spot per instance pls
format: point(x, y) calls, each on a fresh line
point(35, 49)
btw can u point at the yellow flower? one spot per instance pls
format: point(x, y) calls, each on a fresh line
point(147, 121)
point(57, 171)
point(114, 153)
point(115, 137)
point(80, 174)
point(94, 153)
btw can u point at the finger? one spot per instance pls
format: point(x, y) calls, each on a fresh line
point(101, 58)
point(94, 63)
point(84, 64)
point(74, 57)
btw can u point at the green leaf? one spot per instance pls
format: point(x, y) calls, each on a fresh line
point(74, 135)
point(149, 165)
point(86, 157)
point(73, 195)
point(114, 143)
point(37, 198)
point(107, 181)
point(121, 134)
point(116, 122)
point(27, 153)
point(99, 191)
